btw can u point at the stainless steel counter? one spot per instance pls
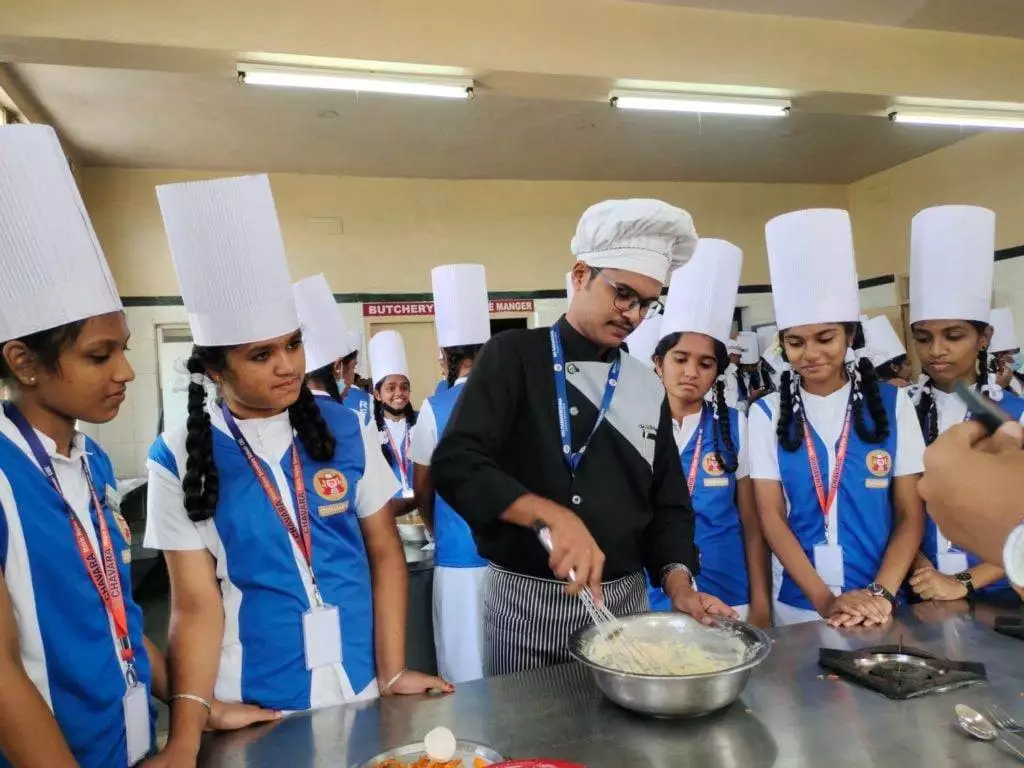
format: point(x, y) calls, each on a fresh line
point(789, 715)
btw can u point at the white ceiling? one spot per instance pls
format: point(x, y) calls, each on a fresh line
point(144, 119)
point(1002, 18)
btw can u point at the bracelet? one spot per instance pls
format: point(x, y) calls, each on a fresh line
point(672, 568)
point(394, 680)
point(196, 699)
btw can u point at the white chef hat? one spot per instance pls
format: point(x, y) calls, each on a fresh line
point(952, 252)
point(569, 290)
point(642, 342)
point(814, 275)
point(702, 295)
point(387, 356)
point(229, 255)
point(325, 336)
point(749, 354)
point(767, 337)
point(461, 308)
point(356, 338)
point(645, 236)
point(52, 269)
point(1004, 337)
point(880, 340)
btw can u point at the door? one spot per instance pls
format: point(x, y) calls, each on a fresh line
point(421, 352)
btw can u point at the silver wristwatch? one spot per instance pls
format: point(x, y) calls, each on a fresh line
point(672, 568)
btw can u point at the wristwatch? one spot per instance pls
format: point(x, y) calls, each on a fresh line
point(878, 590)
point(964, 577)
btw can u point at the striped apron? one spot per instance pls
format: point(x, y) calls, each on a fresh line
point(528, 621)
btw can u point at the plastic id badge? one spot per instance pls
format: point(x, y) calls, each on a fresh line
point(136, 723)
point(321, 632)
point(828, 562)
point(951, 563)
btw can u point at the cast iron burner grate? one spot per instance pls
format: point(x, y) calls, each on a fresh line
point(901, 673)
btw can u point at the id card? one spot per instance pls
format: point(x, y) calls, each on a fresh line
point(951, 563)
point(321, 633)
point(828, 562)
point(136, 723)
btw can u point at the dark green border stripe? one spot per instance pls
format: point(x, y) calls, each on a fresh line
point(1009, 253)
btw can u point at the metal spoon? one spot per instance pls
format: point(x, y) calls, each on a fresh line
point(977, 725)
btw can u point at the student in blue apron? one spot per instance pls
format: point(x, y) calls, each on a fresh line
point(951, 266)
point(691, 358)
point(1005, 350)
point(885, 351)
point(393, 412)
point(288, 581)
point(835, 455)
point(463, 325)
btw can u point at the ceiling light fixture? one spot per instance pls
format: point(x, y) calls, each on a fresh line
point(354, 80)
point(959, 118)
point(708, 104)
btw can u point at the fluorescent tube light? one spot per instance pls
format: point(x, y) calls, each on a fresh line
point(353, 80)
point(667, 101)
point(960, 118)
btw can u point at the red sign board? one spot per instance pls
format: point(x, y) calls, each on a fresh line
point(426, 308)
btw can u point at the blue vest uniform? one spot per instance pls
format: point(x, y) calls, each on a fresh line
point(718, 531)
point(864, 501)
point(454, 545)
point(1013, 405)
point(84, 677)
point(261, 563)
point(361, 403)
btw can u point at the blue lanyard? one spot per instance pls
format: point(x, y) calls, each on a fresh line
point(572, 458)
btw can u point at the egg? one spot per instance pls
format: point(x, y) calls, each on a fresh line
point(440, 744)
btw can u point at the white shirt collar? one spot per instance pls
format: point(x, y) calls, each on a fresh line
point(10, 431)
point(843, 393)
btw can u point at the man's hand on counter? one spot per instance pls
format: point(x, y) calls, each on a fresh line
point(686, 599)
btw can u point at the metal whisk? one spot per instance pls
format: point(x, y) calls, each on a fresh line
point(612, 631)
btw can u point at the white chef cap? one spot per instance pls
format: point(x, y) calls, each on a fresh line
point(880, 341)
point(749, 354)
point(1004, 336)
point(642, 342)
point(461, 307)
point(325, 336)
point(52, 269)
point(702, 295)
point(648, 237)
point(387, 356)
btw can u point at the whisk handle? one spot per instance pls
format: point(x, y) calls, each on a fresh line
point(544, 535)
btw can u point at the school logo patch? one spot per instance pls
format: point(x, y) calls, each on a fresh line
point(330, 510)
point(330, 485)
point(712, 465)
point(879, 463)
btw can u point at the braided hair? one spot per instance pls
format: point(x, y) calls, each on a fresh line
point(410, 414)
point(927, 409)
point(201, 483)
point(720, 410)
point(454, 357)
point(324, 377)
point(890, 369)
point(864, 391)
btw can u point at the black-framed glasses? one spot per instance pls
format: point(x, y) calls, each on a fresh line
point(628, 300)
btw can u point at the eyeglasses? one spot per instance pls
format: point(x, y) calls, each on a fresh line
point(628, 300)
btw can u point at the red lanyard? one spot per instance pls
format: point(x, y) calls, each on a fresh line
point(400, 456)
point(837, 471)
point(301, 535)
point(691, 477)
point(102, 570)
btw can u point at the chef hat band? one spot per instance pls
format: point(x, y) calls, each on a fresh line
point(387, 356)
point(461, 307)
point(52, 269)
point(702, 295)
point(325, 336)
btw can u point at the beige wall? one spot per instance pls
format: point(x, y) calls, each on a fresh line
point(396, 229)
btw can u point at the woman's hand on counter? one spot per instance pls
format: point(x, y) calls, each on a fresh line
point(930, 584)
point(233, 717)
point(410, 683)
point(859, 607)
point(174, 755)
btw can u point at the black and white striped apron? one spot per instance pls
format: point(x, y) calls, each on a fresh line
point(528, 621)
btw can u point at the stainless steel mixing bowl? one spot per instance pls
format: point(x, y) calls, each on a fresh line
point(678, 695)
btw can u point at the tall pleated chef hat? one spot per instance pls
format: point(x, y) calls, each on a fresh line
point(52, 269)
point(387, 356)
point(1004, 337)
point(702, 295)
point(229, 255)
point(642, 342)
point(648, 237)
point(880, 340)
point(750, 352)
point(325, 336)
point(952, 253)
point(461, 307)
point(814, 275)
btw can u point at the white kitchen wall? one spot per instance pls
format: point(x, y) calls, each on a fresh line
point(1009, 289)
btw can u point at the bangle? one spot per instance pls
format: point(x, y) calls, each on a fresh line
point(671, 568)
point(394, 680)
point(196, 699)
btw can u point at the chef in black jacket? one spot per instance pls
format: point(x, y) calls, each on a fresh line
point(557, 428)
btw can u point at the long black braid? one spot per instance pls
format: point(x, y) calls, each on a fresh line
point(454, 357)
point(928, 411)
point(201, 482)
point(723, 434)
point(324, 379)
point(864, 386)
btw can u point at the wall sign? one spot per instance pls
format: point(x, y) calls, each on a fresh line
point(426, 308)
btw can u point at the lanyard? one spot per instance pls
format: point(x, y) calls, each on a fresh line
point(301, 535)
point(837, 471)
point(573, 459)
point(691, 477)
point(400, 456)
point(102, 570)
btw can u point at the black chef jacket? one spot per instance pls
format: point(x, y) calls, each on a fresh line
point(503, 441)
